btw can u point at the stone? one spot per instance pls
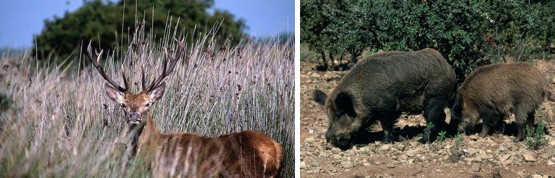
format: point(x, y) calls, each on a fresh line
point(314, 75)
point(537, 176)
point(411, 153)
point(314, 163)
point(316, 170)
point(335, 150)
point(545, 155)
point(550, 163)
point(385, 147)
point(501, 148)
point(476, 167)
point(528, 156)
point(403, 158)
point(391, 165)
point(505, 157)
point(482, 156)
point(471, 151)
point(507, 162)
point(347, 164)
point(401, 147)
point(303, 165)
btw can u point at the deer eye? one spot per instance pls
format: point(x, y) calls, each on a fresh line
point(123, 106)
point(147, 104)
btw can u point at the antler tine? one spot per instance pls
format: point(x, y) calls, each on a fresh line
point(100, 70)
point(125, 81)
point(165, 69)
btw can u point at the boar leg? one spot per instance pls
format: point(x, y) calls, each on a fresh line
point(521, 119)
point(531, 119)
point(434, 113)
point(490, 118)
point(485, 129)
point(387, 125)
point(529, 123)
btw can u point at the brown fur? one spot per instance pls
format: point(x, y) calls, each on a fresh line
point(241, 154)
point(494, 91)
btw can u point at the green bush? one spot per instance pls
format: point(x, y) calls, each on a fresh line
point(467, 33)
point(441, 136)
point(536, 137)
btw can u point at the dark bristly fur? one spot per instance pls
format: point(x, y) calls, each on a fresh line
point(494, 91)
point(385, 85)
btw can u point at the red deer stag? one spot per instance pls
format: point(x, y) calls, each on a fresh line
point(242, 154)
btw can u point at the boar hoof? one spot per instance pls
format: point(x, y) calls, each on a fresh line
point(518, 139)
point(387, 138)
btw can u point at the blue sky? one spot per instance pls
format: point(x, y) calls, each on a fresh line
point(20, 19)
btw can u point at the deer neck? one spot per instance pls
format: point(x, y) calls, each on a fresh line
point(144, 135)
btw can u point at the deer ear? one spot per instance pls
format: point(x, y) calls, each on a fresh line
point(114, 94)
point(157, 92)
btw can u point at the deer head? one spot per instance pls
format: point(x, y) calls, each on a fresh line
point(136, 105)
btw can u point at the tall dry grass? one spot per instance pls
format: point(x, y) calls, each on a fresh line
point(60, 123)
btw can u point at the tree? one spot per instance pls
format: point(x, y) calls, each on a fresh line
point(108, 25)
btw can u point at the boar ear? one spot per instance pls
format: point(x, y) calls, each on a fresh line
point(319, 96)
point(344, 102)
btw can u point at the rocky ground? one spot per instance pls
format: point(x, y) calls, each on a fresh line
point(470, 156)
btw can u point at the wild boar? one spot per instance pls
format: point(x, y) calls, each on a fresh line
point(493, 92)
point(383, 86)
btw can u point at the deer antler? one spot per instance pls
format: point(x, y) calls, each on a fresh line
point(100, 70)
point(166, 68)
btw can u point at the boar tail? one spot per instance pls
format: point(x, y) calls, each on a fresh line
point(319, 96)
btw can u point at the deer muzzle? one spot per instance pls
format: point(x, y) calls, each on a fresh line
point(134, 118)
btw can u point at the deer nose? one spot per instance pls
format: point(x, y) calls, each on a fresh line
point(134, 117)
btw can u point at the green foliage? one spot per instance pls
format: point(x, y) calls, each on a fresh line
point(441, 136)
point(428, 130)
point(536, 138)
point(456, 152)
point(107, 23)
point(460, 30)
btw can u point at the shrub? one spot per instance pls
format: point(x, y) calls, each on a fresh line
point(467, 33)
point(536, 137)
point(456, 152)
point(441, 136)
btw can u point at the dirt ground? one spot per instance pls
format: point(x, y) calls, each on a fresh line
point(492, 156)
